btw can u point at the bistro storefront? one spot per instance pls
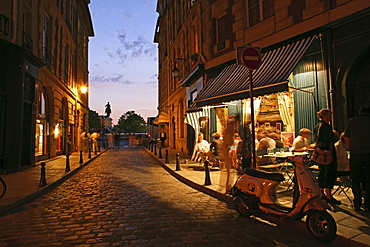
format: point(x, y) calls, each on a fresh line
point(287, 79)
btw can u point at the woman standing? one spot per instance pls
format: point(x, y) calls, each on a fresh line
point(325, 139)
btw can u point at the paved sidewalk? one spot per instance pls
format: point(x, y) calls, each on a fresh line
point(23, 186)
point(353, 227)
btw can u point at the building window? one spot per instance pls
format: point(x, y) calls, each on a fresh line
point(259, 10)
point(48, 57)
point(4, 24)
point(221, 28)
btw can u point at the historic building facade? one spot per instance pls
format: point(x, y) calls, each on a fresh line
point(315, 54)
point(43, 79)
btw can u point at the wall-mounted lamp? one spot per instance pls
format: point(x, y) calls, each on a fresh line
point(176, 71)
point(83, 89)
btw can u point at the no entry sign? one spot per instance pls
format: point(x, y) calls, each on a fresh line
point(251, 58)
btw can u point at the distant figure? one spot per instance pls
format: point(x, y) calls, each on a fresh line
point(108, 110)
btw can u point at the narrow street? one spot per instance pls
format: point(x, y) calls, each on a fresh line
point(124, 198)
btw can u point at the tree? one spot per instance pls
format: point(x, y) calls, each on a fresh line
point(94, 120)
point(132, 122)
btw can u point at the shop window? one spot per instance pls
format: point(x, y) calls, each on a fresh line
point(58, 136)
point(40, 143)
point(41, 126)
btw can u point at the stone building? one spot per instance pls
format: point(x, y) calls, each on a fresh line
point(43, 79)
point(315, 54)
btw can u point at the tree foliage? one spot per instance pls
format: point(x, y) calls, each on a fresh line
point(94, 120)
point(132, 122)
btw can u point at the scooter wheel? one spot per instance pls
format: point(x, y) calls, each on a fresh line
point(321, 225)
point(242, 207)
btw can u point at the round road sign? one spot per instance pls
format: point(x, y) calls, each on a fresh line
point(251, 58)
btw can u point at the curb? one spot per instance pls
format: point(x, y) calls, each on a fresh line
point(45, 189)
point(297, 225)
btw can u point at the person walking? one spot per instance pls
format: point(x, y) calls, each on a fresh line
point(357, 138)
point(325, 139)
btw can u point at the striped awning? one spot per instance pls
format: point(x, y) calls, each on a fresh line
point(271, 77)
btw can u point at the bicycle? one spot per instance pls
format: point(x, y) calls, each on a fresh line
point(2, 187)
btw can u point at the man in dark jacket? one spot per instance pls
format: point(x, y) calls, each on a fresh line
point(357, 138)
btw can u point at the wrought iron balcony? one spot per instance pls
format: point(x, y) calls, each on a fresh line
point(48, 58)
point(27, 41)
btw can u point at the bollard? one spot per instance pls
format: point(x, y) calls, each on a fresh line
point(178, 168)
point(166, 160)
point(81, 158)
point(151, 147)
point(89, 156)
point(155, 150)
point(99, 147)
point(43, 175)
point(207, 180)
point(68, 169)
point(95, 150)
point(160, 152)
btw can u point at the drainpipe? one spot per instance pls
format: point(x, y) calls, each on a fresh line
point(327, 78)
point(14, 21)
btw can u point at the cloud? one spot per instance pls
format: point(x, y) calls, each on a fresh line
point(114, 78)
point(133, 49)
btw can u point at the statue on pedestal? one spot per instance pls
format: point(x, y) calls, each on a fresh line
point(108, 109)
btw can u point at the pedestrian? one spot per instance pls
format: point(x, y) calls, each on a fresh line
point(325, 139)
point(227, 142)
point(85, 141)
point(357, 138)
point(216, 150)
point(94, 139)
point(162, 137)
point(234, 154)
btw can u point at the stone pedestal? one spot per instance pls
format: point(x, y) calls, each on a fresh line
point(108, 122)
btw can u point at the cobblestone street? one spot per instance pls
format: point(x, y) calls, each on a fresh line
point(124, 198)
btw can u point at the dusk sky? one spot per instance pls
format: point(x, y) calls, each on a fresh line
point(123, 57)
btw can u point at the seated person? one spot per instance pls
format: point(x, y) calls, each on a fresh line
point(202, 147)
point(276, 138)
point(266, 142)
point(301, 142)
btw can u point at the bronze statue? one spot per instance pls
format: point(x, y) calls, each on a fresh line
point(108, 109)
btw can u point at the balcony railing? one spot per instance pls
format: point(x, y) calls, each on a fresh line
point(48, 58)
point(4, 24)
point(27, 41)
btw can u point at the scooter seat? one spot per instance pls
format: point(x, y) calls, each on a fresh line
point(266, 175)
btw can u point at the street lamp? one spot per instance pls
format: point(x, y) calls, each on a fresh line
point(175, 72)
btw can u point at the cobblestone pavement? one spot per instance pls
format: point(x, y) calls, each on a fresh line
point(124, 198)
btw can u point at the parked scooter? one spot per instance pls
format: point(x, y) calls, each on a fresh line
point(255, 192)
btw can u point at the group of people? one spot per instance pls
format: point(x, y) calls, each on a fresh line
point(89, 140)
point(350, 152)
point(219, 150)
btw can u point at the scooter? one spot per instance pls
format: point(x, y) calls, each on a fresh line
point(255, 192)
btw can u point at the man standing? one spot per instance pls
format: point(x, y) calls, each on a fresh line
point(357, 138)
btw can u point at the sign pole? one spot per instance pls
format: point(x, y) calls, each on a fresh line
point(250, 57)
point(254, 166)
